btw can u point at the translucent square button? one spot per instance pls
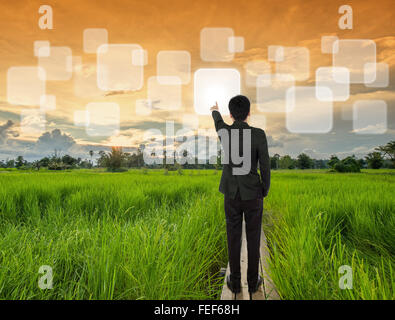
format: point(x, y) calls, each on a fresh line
point(307, 114)
point(353, 54)
point(370, 117)
point(214, 44)
point(215, 85)
point(25, 85)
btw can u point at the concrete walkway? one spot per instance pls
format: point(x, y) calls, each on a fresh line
point(267, 291)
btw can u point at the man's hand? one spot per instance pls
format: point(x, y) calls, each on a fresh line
point(214, 107)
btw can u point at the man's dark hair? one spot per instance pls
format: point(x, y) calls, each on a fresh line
point(239, 107)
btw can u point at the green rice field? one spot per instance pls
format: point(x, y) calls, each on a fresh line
point(150, 235)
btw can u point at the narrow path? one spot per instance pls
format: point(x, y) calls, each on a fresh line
point(267, 291)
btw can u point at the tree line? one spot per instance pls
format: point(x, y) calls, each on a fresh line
point(382, 157)
point(117, 160)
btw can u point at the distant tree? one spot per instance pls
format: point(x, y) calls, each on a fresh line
point(114, 160)
point(56, 155)
point(304, 161)
point(388, 164)
point(320, 164)
point(286, 162)
point(85, 164)
point(20, 162)
point(69, 161)
point(91, 155)
point(56, 165)
point(333, 161)
point(56, 162)
point(166, 159)
point(36, 164)
point(140, 155)
point(44, 162)
point(349, 164)
point(388, 151)
point(352, 163)
point(179, 168)
point(375, 160)
point(10, 163)
point(361, 163)
point(136, 159)
point(274, 161)
point(102, 160)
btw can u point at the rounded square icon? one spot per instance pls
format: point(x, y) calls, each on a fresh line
point(25, 85)
point(271, 91)
point(370, 117)
point(59, 65)
point(353, 54)
point(93, 38)
point(337, 79)
point(115, 68)
point(306, 114)
point(174, 64)
point(215, 85)
point(296, 61)
point(139, 57)
point(236, 44)
point(104, 118)
point(275, 53)
point(376, 75)
point(85, 79)
point(255, 68)
point(214, 44)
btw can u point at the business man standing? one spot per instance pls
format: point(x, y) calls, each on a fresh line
point(244, 189)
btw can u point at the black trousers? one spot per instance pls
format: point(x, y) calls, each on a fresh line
point(252, 209)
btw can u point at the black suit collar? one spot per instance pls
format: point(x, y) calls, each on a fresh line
point(240, 124)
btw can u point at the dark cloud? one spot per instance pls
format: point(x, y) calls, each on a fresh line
point(117, 93)
point(49, 142)
point(6, 131)
point(146, 125)
point(55, 140)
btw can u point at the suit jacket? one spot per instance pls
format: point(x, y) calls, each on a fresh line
point(250, 185)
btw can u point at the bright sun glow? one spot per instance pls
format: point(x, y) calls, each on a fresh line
point(215, 85)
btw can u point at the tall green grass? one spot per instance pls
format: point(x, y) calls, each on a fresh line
point(317, 222)
point(146, 235)
point(110, 236)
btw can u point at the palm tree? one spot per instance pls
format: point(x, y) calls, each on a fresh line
point(91, 154)
point(388, 150)
point(277, 157)
point(374, 160)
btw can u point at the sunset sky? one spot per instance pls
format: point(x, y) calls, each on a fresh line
point(175, 25)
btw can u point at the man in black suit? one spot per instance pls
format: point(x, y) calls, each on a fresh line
point(243, 188)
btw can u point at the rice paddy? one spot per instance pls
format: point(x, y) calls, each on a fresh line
point(150, 235)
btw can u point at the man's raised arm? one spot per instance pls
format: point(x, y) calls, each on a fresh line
point(264, 164)
point(218, 121)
